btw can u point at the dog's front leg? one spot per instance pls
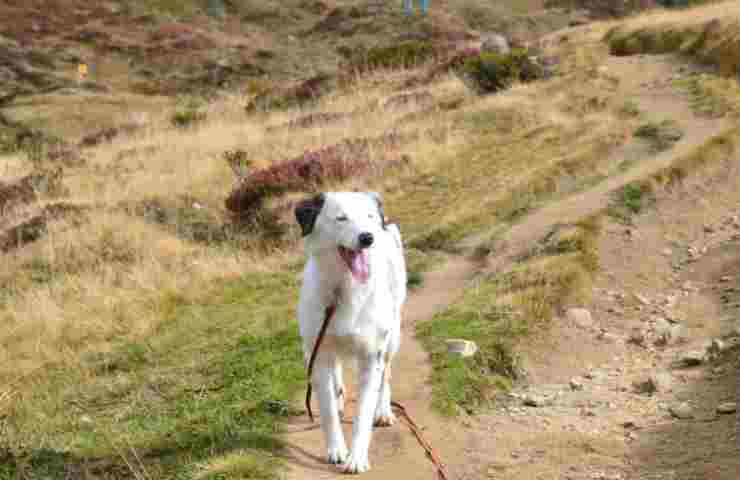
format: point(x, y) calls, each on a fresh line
point(371, 375)
point(324, 379)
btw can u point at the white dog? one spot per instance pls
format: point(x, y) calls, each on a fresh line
point(355, 263)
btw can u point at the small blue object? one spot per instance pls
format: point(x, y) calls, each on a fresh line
point(408, 6)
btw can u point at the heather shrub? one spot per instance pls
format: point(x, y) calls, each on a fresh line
point(307, 172)
point(491, 72)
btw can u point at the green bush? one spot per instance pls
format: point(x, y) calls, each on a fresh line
point(189, 112)
point(491, 72)
point(403, 55)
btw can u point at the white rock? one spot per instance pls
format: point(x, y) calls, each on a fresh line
point(681, 411)
point(727, 408)
point(463, 348)
point(580, 317)
point(692, 358)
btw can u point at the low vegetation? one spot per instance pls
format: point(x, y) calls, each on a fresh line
point(498, 311)
point(660, 134)
point(490, 72)
point(703, 33)
point(152, 335)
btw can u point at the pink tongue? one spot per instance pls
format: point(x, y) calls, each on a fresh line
point(359, 266)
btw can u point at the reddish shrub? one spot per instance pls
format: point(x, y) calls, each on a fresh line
point(306, 172)
point(34, 227)
point(107, 134)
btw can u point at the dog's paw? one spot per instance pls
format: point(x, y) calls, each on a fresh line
point(337, 455)
point(357, 463)
point(386, 420)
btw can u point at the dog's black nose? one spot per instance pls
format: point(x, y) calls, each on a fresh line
point(366, 239)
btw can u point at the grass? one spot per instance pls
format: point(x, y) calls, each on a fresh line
point(706, 33)
point(660, 134)
point(631, 200)
point(198, 398)
point(147, 342)
point(711, 95)
point(499, 311)
point(470, 384)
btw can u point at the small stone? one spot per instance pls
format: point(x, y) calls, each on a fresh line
point(708, 229)
point(681, 411)
point(629, 424)
point(725, 279)
point(580, 317)
point(692, 358)
point(576, 384)
point(534, 401)
point(716, 347)
point(637, 337)
point(86, 420)
point(495, 43)
point(606, 337)
point(727, 408)
point(642, 300)
point(463, 348)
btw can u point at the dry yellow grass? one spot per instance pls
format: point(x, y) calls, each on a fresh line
point(83, 288)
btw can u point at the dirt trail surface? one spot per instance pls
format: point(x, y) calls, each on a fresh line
point(603, 398)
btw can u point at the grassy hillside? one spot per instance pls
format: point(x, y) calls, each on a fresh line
point(147, 334)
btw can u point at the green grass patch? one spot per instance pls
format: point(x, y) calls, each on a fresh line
point(470, 384)
point(418, 262)
point(630, 108)
point(498, 312)
point(711, 95)
point(661, 135)
point(203, 396)
point(630, 200)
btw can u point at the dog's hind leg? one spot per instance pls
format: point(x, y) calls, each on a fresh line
point(384, 416)
point(324, 380)
point(339, 387)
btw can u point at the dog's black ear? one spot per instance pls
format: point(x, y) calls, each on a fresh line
point(307, 211)
point(379, 202)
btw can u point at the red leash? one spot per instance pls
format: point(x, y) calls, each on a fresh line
point(327, 316)
point(431, 454)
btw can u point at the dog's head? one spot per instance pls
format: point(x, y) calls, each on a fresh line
point(349, 222)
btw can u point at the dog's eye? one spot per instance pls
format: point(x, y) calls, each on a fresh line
point(342, 218)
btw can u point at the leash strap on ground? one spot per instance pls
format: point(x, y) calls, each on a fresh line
point(431, 454)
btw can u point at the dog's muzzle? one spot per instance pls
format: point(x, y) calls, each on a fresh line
point(357, 260)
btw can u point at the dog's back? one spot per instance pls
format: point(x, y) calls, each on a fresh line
point(397, 269)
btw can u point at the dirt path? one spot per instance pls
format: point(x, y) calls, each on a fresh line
point(586, 432)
